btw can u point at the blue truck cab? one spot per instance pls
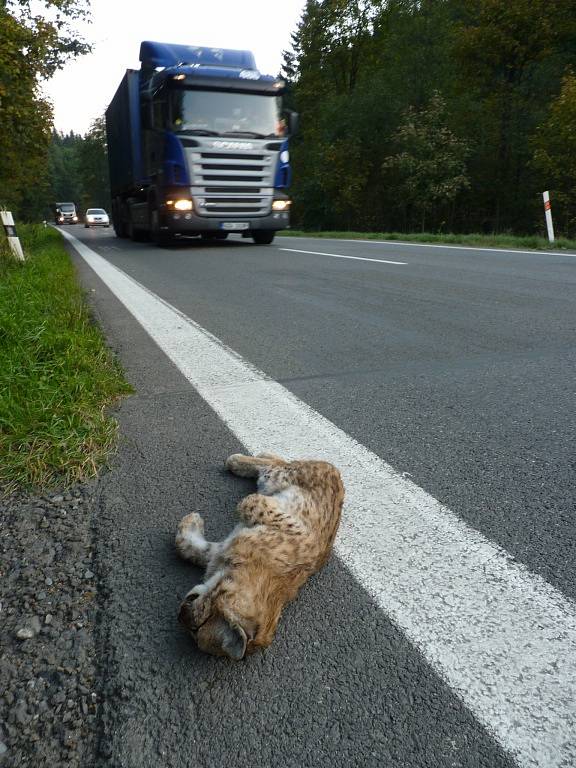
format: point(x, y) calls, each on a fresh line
point(198, 145)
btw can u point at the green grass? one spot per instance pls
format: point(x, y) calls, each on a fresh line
point(486, 241)
point(56, 374)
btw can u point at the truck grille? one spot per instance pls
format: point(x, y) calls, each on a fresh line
point(232, 184)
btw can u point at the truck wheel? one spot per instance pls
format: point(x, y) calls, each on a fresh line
point(137, 235)
point(159, 237)
point(120, 229)
point(117, 219)
point(163, 239)
point(263, 236)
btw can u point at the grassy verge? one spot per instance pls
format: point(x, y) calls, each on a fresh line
point(56, 374)
point(484, 241)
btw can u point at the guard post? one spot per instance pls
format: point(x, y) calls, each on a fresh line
point(548, 213)
point(13, 239)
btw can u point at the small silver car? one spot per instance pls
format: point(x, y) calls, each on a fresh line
point(96, 217)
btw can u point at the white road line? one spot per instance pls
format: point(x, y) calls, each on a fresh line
point(501, 636)
point(433, 245)
point(339, 256)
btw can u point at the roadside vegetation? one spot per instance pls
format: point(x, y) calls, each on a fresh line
point(56, 375)
point(78, 167)
point(37, 40)
point(485, 241)
point(434, 115)
point(416, 116)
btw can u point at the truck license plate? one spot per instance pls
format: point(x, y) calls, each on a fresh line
point(234, 225)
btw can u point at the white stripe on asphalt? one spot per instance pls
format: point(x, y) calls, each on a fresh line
point(339, 256)
point(502, 637)
point(431, 245)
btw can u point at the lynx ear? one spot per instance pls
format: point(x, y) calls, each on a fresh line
point(232, 639)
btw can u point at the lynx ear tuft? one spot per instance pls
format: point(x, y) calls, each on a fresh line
point(233, 640)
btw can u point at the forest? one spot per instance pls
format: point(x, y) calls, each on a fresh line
point(415, 115)
point(78, 167)
point(444, 115)
point(36, 40)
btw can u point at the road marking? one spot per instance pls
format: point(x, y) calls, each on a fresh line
point(501, 636)
point(432, 245)
point(339, 256)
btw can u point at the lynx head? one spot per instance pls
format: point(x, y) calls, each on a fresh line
point(216, 630)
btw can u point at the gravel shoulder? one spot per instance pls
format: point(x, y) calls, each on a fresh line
point(48, 615)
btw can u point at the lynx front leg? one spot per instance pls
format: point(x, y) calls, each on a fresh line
point(257, 509)
point(190, 541)
point(251, 466)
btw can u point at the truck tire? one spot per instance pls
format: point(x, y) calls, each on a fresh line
point(118, 221)
point(137, 235)
point(263, 236)
point(159, 237)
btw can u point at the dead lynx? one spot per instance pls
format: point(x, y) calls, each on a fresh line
point(286, 534)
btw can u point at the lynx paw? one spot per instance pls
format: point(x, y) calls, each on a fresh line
point(192, 522)
point(234, 462)
point(272, 456)
point(197, 591)
point(190, 542)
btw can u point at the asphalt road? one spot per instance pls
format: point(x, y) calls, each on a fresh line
point(455, 366)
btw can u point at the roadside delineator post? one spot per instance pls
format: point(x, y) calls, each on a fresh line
point(13, 239)
point(548, 212)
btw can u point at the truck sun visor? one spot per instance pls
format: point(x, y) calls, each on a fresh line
point(167, 55)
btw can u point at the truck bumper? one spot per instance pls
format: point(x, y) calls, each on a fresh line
point(191, 223)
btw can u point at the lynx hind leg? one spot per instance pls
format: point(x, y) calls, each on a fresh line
point(251, 466)
point(190, 541)
point(272, 456)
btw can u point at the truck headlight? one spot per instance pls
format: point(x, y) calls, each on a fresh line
point(281, 205)
point(183, 205)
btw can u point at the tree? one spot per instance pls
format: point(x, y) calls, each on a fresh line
point(25, 119)
point(52, 39)
point(431, 165)
point(64, 167)
point(36, 40)
point(512, 54)
point(94, 166)
point(555, 154)
point(355, 68)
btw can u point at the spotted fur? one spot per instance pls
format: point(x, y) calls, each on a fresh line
point(286, 534)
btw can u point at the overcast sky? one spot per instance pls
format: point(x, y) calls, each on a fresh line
point(82, 90)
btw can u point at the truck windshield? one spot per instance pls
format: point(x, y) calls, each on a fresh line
point(66, 208)
point(226, 113)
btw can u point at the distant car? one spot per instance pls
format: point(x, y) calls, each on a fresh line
point(96, 217)
point(64, 213)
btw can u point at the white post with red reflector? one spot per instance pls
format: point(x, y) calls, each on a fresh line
point(548, 212)
point(10, 232)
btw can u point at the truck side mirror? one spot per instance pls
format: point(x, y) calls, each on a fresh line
point(293, 122)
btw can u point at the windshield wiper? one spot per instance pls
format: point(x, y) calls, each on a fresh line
point(198, 132)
